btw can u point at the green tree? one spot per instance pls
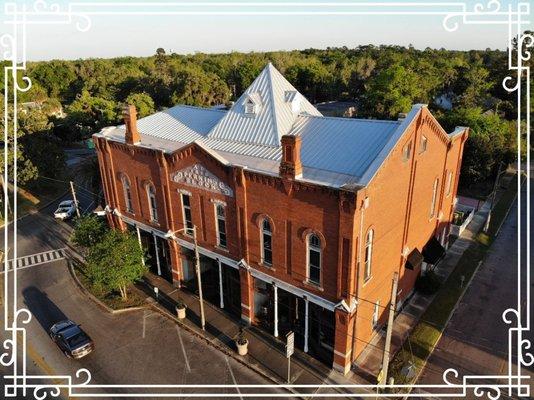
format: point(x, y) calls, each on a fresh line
point(196, 87)
point(143, 102)
point(392, 91)
point(115, 262)
point(491, 141)
point(89, 231)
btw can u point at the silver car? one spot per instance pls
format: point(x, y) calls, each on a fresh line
point(65, 210)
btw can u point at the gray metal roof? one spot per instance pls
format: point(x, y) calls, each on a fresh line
point(335, 151)
point(275, 114)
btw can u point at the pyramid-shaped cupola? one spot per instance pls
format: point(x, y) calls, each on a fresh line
point(265, 111)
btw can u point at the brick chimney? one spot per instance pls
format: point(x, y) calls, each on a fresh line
point(291, 166)
point(129, 113)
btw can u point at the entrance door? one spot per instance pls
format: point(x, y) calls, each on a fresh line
point(321, 334)
point(231, 290)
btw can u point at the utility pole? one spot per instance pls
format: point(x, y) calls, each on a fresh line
point(486, 225)
point(392, 304)
point(5, 196)
point(199, 280)
point(74, 198)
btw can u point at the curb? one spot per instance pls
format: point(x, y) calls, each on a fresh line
point(509, 208)
point(157, 307)
point(94, 299)
point(38, 209)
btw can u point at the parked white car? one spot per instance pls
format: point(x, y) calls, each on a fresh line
point(65, 210)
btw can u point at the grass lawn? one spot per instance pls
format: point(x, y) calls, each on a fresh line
point(112, 299)
point(423, 338)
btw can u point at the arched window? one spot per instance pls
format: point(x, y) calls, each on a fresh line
point(220, 215)
point(152, 205)
point(127, 193)
point(314, 259)
point(266, 243)
point(368, 254)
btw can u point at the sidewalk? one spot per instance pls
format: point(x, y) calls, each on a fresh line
point(369, 362)
point(266, 355)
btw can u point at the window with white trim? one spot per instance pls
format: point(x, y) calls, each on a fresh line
point(375, 313)
point(152, 204)
point(449, 183)
point(127, 194)
point(407, 151)
point(220, 216)
point(434, 197)
point(368, 254)
point(423, 144)
point(250, 107)
point(314, 259)
point(266, 242)
point(186, 211)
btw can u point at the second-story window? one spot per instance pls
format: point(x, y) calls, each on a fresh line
point(368, 254)
point(407, 151)
point(434, 197)
point(152, 205)
point(266, 243)
point(314, 259)
point(127, 194)
point(424, 143)
point(220, 215)
point(186, 209)
point(449, 183)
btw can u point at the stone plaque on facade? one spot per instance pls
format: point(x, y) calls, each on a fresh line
point(199, 177)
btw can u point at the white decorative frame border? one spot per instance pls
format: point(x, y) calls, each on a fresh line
point(488, 12)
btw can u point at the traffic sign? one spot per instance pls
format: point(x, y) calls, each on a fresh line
point(290, 344)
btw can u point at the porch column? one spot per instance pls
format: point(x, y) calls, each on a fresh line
point(176, 261)
point(275, 310)
point(247, 295)
point(140, 243)
point(343, 342)
point(157, 253)
point(221, 297)
point(306, 304)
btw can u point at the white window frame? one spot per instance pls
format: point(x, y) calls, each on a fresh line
point(449, 183)
point(152, 202)
point(434, 198)
point(187, 229)
point(218, 219)
point(310, 247)
point(263, 232)
point(368, 255)
point(424, 143)
point(250, 107)
point(127, 192)
point(376, 311)
point(407, 151)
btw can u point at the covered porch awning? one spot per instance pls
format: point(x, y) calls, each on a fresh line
point(433, 251)
point(414, 260)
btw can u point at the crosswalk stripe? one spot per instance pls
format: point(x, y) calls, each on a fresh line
point(34, 259)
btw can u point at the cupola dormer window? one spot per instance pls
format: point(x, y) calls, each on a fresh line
point(252, 104)
point(250, 107)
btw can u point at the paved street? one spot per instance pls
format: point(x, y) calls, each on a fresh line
point(476, 340)
point(139, 347)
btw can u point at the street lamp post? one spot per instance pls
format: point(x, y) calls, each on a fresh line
point(197, 270)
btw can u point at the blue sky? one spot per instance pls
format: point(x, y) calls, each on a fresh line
point(119, 35)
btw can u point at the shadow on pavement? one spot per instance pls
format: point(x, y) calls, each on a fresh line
point(42, 308)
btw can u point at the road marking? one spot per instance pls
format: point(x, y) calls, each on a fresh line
point(35, 259)
point(233, 377)
point(183, 349)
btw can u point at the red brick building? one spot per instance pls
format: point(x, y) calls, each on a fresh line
point(301, 219)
